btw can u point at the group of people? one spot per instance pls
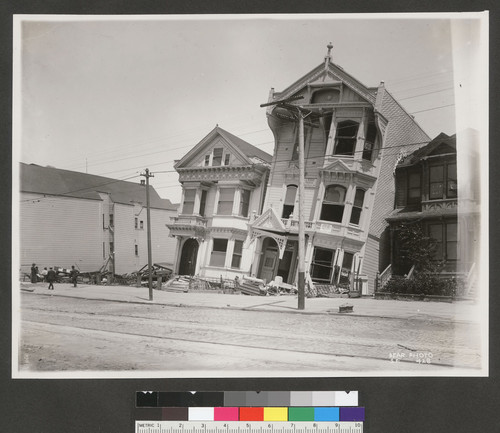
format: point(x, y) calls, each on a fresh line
point(50, 275)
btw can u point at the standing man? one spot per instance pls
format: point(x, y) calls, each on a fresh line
point(34, 273)
point(51, 277)
point(73, 274)
point(44, 274)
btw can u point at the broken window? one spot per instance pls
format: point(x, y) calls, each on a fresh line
point(321, 266)
point(357, 206)
point(345, 139)
point(289, 204)
point(371, 137)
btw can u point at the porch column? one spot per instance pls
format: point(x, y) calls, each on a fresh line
point(197, 197)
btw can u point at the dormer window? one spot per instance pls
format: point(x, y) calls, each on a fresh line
point(345, 138)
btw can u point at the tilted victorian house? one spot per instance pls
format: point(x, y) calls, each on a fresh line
point(353, 137)
point(223, 184)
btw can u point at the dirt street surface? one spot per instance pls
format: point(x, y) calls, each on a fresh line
point(71, 334)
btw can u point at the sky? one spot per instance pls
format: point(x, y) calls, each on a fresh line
point(114, 95)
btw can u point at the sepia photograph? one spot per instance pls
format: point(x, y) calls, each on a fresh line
point(250, 195)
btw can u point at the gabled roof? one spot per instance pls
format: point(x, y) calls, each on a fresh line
point(333, 73)
point(442, 144)
point(269, 221)
point(53, 181)
point(246, 151)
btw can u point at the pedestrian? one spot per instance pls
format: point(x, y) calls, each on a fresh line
point(34, 273)
point(44, 274)
point(51, 277)
point(73, 274)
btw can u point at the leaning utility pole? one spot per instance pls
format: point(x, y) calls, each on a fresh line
point(147, 175)
point(301, 253)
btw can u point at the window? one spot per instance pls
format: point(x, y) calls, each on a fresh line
point(414, 188)
point(226, 198)
point(141, 224)
point(103, 221)
point(103, 250)
point(451, 181)
point(218, 256)
point(227, 156)
point(321, 266)
point(345, 139)
point(289, 204)
point(333, 204)
point(237, 253)
point(326, 96)
point(203, 202)
point(443, 181)
point(445, 237)
point(357, 207)
point(136, 248)
point(217, 159)
point(244, 202)
point(136, 223)
point(111, 247)
point(436, 174)
point(188, 205)
point(111, 220)
point(371, 136)
point(207, 160)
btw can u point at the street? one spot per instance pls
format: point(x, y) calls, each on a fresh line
point(71, 334)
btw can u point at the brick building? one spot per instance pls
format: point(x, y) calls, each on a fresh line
point(69, 218)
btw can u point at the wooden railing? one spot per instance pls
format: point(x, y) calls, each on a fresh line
point(383, 278)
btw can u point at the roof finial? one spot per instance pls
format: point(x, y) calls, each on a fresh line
point(328, 55)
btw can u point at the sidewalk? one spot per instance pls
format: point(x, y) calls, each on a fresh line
point(438, 311)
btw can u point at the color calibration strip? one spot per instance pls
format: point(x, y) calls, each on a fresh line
point(247, 399)
point(316, 414)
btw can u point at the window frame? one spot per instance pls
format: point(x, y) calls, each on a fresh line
point(229, 210)
point(219, 253)
point(333, 205)
point(357, 210)
point(244, 193)
point(237, 254)
point(344, 139)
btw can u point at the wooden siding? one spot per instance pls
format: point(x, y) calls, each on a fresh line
point(60, 231)
point(403, 135)
point(370, 262)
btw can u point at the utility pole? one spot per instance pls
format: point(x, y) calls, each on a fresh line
point(147, 175)
point(301, 253)
point(302, 238)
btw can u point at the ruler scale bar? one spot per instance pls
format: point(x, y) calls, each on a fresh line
point(248, 427)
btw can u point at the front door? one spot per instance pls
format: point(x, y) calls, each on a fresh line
point(187, 265)
point(269, 264)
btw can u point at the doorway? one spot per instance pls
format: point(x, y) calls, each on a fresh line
point(187, 265)
point(269, 260)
